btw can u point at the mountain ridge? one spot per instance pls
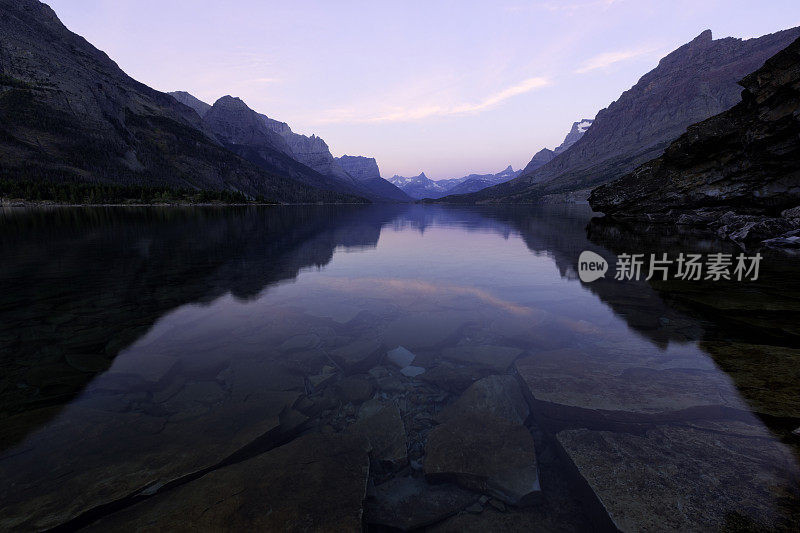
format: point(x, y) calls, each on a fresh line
point(70, 115)
point(693, 82)
point(737, 172)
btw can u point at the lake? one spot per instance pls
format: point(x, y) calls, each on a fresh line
point(387, 366)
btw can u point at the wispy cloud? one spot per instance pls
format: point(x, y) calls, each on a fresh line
point(409, 114)
point(607, 59)
point(564, 7)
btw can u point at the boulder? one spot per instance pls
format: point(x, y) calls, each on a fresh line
point(316, 482)
point(498, 358)
point(409, 503)
point(426, 329)
point(355, 389)
point(499, 396)
point(358, 356)
point(453, 378)
point(400, 357)
point(382, 425)
point(412, 371)
point(487, 454)
point(685, 479)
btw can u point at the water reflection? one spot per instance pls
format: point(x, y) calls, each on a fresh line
point(142, 348)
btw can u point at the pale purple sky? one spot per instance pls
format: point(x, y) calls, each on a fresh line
point(444, 87)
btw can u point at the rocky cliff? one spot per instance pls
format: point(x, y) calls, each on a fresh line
point(69, 114)
point(244, 132)
point(737, 172)
point(575, 134)
point(256, 137)
point(312, 151)
point(694, 82)
point(540, 159)
point(365, 171)
point(360, 168)
point(200, 107)
point(544, 156)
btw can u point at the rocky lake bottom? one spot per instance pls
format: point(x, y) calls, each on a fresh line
point(386, 368)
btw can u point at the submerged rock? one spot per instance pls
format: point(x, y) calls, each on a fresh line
point(498, 358)
point(484, 453)
point(685, 479)
point(355, 389)
point(499, 396)
point(453, 378)
point(426, 329)
point(613, 380)
point(412, 371)
point(382, 425)
point(108, 456)
point(400, 357)
point(317, 482)
point(358, 356)
point(408, 503)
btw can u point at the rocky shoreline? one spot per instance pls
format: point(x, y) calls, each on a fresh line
point(737, 173)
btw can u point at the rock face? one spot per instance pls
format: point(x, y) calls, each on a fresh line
point(544, 156)
point(67, 110)
point(365, 171)
point(574, 135)
point(277, 491)
point(736, 172)
point(248, 134)
point(540, 159)
point(693, 83)
point(360, 168)
point(195, 103)
point(312, 151)
point(264, 140)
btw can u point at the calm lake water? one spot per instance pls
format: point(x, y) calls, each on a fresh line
point(171, 368)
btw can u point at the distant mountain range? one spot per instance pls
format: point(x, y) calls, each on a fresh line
point(693, 83)
point(421, 186)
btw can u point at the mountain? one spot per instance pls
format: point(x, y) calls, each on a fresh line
point(544, 156)
point(421, 186)
point(694, 82)
point(311, 151)
point(574, 135)
point(244, 132)
point(540, 159)
point(70, 116)
point(200, 107)
point(418, 186)
point(257, 137)
point(477, 182)
point(737, 172)
point(365, 171)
